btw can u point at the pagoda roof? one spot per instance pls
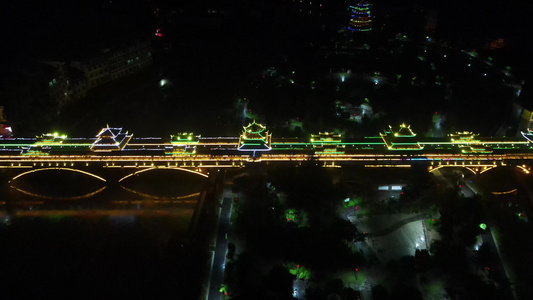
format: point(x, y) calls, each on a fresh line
point(325, 137)
point(254, 128)
point(404, 131)
point(362, 3)
point(528, 135)
point(254, 147)
point(109, 131)
point(401, 139)
point(111, 139)
point(255, 137)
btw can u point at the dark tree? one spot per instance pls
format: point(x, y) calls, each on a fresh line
point(406, 292)
point(334, 286)
point(278, 283)
point(231, 250)
point(350, 294)
point(379, 292)
point(315, 293)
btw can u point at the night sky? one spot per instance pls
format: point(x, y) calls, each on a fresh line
point(242, 37)
point(68, 28)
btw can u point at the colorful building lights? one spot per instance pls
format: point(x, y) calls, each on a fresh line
point(50, 139)
point(403, 139)
point(111, 139)
point(255, 137)
point(326, 143)
point(361, 17)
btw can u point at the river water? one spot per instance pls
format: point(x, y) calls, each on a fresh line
point(67, 235)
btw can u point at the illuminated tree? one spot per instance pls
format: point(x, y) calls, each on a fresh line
point(299, 271)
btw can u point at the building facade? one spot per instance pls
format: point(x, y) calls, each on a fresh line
point(526, 121)
point(73, 79)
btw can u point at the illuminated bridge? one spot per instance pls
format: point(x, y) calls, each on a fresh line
point(115, 148)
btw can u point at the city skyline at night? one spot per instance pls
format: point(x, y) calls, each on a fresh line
point(257, 149)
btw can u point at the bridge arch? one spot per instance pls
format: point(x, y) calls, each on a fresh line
point(473, 169)
point(61, 169)
point(523, 168)
point(480, 169)
point(87, 195)
point(163, 168)
point(162, 198)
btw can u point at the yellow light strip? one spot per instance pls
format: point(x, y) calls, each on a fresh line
point(523, 168)
point(65, 169)
point(58, 198)
point(158, 197)
point(162, 167)
point(387, 166)
point(485, 169)
point(504, 193)
point(468, 167)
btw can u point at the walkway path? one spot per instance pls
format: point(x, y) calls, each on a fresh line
point(397, 225)
point(218, 263)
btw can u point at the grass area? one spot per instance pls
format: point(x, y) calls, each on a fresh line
point(434, 289)
point(352, 277)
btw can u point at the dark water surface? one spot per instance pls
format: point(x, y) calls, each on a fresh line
point(72, 236)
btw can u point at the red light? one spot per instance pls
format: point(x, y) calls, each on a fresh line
point(459, 185)
point(288, 219)
point(297, 266)
point(487, 268)
point(432, 220)
point(226, 293)
point(249, 110)
point(402, 193)
point(356, 207)
point(435, 112)
point(356, 270)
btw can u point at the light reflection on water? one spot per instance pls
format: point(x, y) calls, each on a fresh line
point(113, 235)
point(38, 200)
point(114, 203)
point(118, 208)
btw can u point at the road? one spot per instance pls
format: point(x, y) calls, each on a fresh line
point(218, 261)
